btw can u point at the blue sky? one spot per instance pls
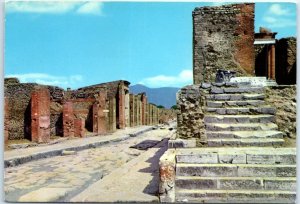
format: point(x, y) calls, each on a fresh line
point(75, 44)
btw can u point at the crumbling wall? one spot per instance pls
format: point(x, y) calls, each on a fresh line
point(283, 98)
point(285, 60)
point(223, 37)
point(190, 116)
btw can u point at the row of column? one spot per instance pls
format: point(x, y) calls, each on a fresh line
point(141, 112)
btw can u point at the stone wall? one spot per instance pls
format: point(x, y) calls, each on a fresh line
point(223, 37)
point(284, 100)
point(190, 116)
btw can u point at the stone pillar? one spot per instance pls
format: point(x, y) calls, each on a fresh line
point(151, 115)
point(102, 113)
point(40, 115)
point(6, 120)
point(148, 114)
point(136, 111)
point(121, 103)
point(68, 120)
point(112, 115)
point(79, 130)
point(140, 109)
point(127, 111)
point(132, 109)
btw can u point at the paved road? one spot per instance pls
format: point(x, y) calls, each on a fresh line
point(63, 177)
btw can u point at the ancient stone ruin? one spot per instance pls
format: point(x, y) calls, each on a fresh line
point(235, 140)
point(36, 112)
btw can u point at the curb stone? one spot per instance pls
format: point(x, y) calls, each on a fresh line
point(58, 152)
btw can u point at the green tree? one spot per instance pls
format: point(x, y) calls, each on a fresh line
point(160, 106)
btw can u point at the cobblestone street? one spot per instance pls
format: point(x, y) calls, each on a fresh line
point(61, 178)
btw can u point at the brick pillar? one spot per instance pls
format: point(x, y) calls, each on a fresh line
point(132, 109)
point(95, 117)
point(40, 115)
point(6, 120)
point(68, 120)
point(79, 130)
point(112, 115)
point(273, 62)
point(121, 103)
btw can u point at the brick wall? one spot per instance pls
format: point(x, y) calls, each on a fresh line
point(223, 38)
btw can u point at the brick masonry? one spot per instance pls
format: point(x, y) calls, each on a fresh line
point(223, 38)
point(40, 115)
point(100, 108)
point(68, 120)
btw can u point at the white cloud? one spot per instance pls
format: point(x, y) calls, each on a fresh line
point(277, 9)
point(55, 7)
point(278, 16)
point(92, 7)
point(46, 79)
point(183, 78)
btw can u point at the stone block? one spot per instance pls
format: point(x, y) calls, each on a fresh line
point(286, 171)
point(203, 158)
point(232, 158)
point(240, 183)
point(256, 170)
point(196, 183)
point(285, 184)
point(216, 90)
point(180, 143)
point(206, 170)
point(260, 159)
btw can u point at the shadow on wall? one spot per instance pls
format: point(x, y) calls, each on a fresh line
point(286, 61)
point(27, 122)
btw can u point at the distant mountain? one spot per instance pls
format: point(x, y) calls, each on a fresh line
point(165, 96)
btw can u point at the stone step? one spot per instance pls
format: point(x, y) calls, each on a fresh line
point(235, 97)
point(235, 196)
point(219, 104)
point(260, 142)
point(260, 134)
point(237, 155)
point(205, 85)
point(263, 118)
point(235, 170)
point(240, 126)
point(231, 183)
point(242, 110)
point(246, 89)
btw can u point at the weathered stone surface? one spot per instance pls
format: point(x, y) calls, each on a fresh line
point(211, 39)
point(44, 195)
point(209, 158)
point(206, 170)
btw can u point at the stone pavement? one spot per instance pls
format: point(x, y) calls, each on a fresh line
point(60, 178)
point(20, 156)
point(136, 181)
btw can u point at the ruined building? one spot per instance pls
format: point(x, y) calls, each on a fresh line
point(224, 38)
point(36, 112)
point(235, 140)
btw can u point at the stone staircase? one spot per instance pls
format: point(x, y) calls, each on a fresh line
point(236, 115)
point(241, 174)
point(244, 161)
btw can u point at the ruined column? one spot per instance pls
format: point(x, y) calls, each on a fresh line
point(112, 115)
point(40, 115)
point(272, 61)
point(68, 120)
point(132, 109)
point(151, 115)
point(121, 103)
point(136, 111)
point(6, 120)
point(127, 111)
point(79, 130)
point(95, 117)
point(102, 114)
